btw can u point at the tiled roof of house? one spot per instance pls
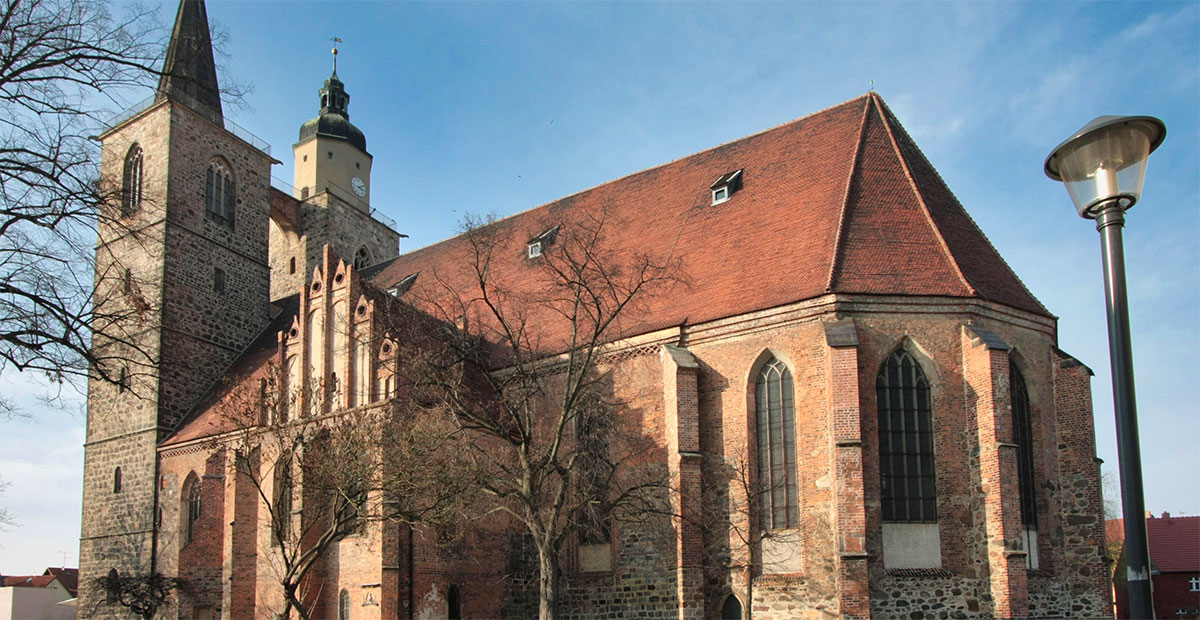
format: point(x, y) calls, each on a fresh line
point(839, 201)
point(1174, 543)
point(28, 581)
point(68, 577)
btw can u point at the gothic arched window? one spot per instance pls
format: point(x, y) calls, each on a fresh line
point(776, 425)
point(1023, 437)
point(131, 182)
point(219, 190)
point(905, 441)
point(283, 501)
point(191, 508)
point(362, 258)
point(344, 605)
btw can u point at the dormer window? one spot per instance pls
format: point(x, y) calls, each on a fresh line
point(537, 245)
point(725, 186)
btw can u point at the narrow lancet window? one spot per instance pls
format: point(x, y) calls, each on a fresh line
point(131, 182)
point(218, 191)
point(776, 446)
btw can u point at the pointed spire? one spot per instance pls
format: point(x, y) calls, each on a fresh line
point(336, 40)
point(189, 73)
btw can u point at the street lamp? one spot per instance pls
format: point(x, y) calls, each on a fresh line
point(1103, 166)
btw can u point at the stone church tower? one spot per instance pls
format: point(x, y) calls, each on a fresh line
point(186, 249)
point(331, 203)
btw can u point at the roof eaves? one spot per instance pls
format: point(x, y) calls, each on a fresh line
point(912, 182)
point(841, 228)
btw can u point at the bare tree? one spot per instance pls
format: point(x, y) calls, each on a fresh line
point(64, 66)
point(735, 506)
point(143, 595)
point(6, 519)
point(59, 61)
point(523, 370)
point(324, 477)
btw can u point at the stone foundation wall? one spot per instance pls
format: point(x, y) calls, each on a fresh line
point(933, 597)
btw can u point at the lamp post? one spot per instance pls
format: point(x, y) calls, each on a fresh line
point(1103, 165)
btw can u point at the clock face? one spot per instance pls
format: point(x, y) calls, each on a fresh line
point(358, 186)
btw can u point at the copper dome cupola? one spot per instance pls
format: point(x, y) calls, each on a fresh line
point(334, 116)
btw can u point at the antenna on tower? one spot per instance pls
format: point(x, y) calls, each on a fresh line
point(335, 40)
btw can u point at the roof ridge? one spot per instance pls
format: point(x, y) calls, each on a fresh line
point(655, 167)
point(912, 182)
point(837, 238)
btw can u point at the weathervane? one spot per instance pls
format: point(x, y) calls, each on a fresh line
point(335, 40)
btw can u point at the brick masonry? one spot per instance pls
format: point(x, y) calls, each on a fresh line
point(698, 400)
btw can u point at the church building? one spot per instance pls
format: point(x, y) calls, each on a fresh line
point(846, 331)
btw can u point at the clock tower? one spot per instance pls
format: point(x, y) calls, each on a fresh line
point(331, 155)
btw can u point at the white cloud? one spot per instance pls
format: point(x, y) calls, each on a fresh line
point(1144, 28)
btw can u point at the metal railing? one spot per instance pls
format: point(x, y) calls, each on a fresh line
point(230, 126)
point(343, 194)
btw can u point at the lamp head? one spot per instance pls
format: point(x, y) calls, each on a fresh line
point(1105, 161)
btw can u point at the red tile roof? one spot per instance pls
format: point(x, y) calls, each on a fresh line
point(28, 581)
point(1174, 543)
point(840, 201)
point(68, 577)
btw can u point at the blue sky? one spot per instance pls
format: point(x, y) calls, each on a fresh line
point(499, 107)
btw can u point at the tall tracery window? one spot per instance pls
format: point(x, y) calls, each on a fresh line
point(131, 182)
point(905, 441)
point(219, 190)
point(1022, 420)
point(1023, 437)
point(775, 419)
point(192, 508)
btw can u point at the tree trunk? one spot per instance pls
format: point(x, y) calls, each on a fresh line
point(749, 613)
point(547, 583)
point(293, 602)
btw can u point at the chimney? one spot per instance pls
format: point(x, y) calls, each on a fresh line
point(1166, 515)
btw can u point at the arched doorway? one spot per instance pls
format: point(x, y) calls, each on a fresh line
point(731, 609)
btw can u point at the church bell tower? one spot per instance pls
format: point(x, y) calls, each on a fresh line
point(181, 259)
point(331, 154)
